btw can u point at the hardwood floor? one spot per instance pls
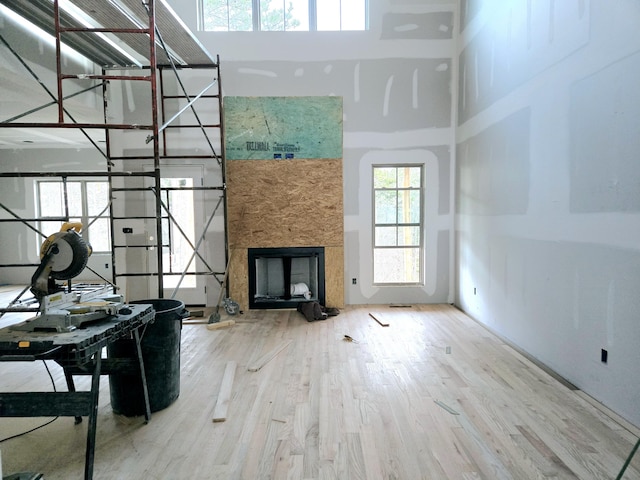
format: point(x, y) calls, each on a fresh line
point(432, 396)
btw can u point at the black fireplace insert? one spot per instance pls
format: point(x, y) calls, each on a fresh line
point(284, 277)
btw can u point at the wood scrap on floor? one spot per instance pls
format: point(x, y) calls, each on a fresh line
point(380, 318)
point(195, 317)
point(224, 395)
point(224, 323)
point(263, 360)
point(446, 407)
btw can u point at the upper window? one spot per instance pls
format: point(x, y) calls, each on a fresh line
point(283, 15)
point(78, 201)
point(397, 228)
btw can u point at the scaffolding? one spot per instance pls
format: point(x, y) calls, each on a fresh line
point(137, 43)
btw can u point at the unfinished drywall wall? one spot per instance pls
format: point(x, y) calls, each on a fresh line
point(547, 200)
point(605, 140)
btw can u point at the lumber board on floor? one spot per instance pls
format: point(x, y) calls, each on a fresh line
point(224, 395)
point(222, 324)
point(264, 359)
point(381, 318)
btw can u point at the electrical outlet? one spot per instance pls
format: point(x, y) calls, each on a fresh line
point(604, 355)
point(354, 281)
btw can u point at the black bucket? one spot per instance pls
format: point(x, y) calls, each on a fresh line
point(161, 354)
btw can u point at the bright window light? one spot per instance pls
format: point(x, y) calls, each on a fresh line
point(283, 15)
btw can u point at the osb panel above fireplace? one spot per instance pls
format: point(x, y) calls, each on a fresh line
point(285, 203)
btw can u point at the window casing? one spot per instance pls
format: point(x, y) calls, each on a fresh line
point(283, 15)
point(398, 194)
point(84, 201)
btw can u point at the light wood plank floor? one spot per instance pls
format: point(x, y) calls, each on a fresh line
point(432, 396)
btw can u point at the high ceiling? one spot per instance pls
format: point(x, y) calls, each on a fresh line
point(116, 14)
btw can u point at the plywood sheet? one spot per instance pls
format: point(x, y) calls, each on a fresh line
point(285, 203)
point(239, 277)
point(334, 276)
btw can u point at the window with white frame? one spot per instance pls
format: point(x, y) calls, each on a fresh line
point(283, 15)
point(179, 234)
point(84, 201)
point(398, 225)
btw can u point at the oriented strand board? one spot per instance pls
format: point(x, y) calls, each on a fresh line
point(239, 277)
point(334, 276)
point(285, 203)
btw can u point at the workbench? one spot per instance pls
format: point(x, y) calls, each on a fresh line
point(78, 352)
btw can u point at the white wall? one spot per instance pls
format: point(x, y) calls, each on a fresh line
point(548, 197)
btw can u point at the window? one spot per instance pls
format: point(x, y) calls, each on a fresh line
point(397, 212)
point(179, 234)
point(86, 202)
point(283, 15)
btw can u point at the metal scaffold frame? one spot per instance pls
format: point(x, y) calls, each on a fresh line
point(119, 168)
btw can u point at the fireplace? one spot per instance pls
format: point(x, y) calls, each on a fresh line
point(284, 277)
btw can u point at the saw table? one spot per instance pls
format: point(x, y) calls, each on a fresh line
point(78, 352)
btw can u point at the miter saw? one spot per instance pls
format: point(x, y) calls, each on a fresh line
point(64, 307)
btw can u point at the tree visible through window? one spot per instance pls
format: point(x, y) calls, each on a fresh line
point(397, 206)
point(283, 15)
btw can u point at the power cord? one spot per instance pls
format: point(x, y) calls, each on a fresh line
point(626, 464)
point(44, 424)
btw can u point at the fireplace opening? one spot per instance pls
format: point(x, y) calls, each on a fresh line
point(284, 277)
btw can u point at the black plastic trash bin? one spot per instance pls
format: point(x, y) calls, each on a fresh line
point(160, 347)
